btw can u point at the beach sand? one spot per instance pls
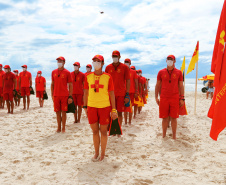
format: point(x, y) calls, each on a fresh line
point(32, 153)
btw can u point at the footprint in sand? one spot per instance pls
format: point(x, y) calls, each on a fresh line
point(132, 135)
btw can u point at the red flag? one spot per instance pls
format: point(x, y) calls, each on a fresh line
point(217, 110)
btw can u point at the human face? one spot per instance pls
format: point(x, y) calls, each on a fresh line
point(115, 59)
point(97, 64)
point(60, 63)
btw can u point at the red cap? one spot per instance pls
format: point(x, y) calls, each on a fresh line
point(61, 58)
point(89, 65)
point(0, 65)
point(127, 60)
point(25, 66)
point(116, 53)
point(6, 67)
point(76, 64)
point(139, 71)
point(39, 72)
point(15, 71)
point(172, 56)
point(99, 57)
point(132, 67)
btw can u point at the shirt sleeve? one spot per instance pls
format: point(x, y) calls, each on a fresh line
point(127, 74)
point(106, 69)
point(159, 77)
point(86, 85)
point(181, 76)
point(110, 85)
point(14, 76)
point(52, 77)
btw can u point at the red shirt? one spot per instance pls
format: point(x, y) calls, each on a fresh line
point(17, 82)
point(1, 75)
point(25, 79)
point(78, 83)
point(170, 90)
point(133, 76)
point(8, 82)
point(119, 74)
point(61, 78)
point(40, 83)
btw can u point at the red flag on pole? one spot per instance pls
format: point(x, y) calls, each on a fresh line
point(217, 110)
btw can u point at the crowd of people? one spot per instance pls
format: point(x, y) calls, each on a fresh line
point(104, 96)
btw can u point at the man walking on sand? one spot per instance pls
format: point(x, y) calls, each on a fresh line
point(2, 102)
point(170, 84)
point(40, 86)
point(120, 74)
point(16, 98)
point(9, 84)
point(61, 96)
point(25, 82)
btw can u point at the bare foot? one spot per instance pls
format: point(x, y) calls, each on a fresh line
point(101, 157)
point(58, 130)
point(63, 130)
point(78, 121)
point(95, 158)
point(75, 121)
point(11, 112)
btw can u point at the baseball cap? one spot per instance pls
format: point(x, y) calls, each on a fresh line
point(172, 56)
point(76, 64)
point(89, 65)
point(132, 67)
point(61, 58)
point(116, 53)
point(127, 60)
point(99, 57)
point(6, 67)
point(39, 72)
point(25, 66)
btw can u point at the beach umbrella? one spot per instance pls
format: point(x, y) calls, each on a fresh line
point(210, 77)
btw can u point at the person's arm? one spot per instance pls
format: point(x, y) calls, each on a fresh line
point(85, 99)
point(112, 99)
point(52, 89)
point(70, 100)
point(127, 85)
point(19, 83)
point(136, 87)
point(30, 81)
point(45, 86)
point(181, 92)
point(157, 89)
point(15, 83)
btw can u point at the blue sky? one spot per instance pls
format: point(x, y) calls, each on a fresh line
point(36, 32)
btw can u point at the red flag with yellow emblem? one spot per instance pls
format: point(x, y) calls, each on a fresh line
point(218, 67)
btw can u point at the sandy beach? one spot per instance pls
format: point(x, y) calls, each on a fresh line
point(32, 153)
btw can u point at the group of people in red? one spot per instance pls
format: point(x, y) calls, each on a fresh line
point(102, 95)
point(15, 85)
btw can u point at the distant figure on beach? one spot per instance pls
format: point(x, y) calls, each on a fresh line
point(170, 83)
point(78, 79)
point(16, 98)
point(2, 102)
point(138, 101)
point(9, 84)
point(120, 74)
point(25, 82)
point(88, 68)
point(133, 91)
point(210, 89)
point(40, 86)
point(61, 96)
point(99, 103)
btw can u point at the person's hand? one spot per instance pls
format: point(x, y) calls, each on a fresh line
point(157, 101)
point(85, 109)
point(44, 92)
point(53, 98)
point(181, 103)
point(114, 115)
point(70, 100)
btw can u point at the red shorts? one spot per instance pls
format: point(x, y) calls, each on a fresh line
point(131, 95)
point(169, 107)
point(25, 91)
point(119, 103)
point(78, 99)
point(8, 96)
point(60, 103)
point(100, 115)
point(39, 94)
point(1, 91)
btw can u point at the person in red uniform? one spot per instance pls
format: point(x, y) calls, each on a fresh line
point(99, 99)
point(144, 88)
point(170, 84)
point(40, 86)
point(25, 82)
point(88, 68)
point(16, 99)
point(9, 82)
point(78, 79)
point(120, 74)
point(141, 81)
point(61, 96)
point(2, 102)
point(133, 92)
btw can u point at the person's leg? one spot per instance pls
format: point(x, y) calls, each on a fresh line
point(79, 113)
point(64, 118)
point(40, 101)
point(174, 126)
point(139, 110)
point(96, 139)
point(75, 114)
point(24, 102)
point(1, 102)
point(211, 95)
point(120, 117)
point(8, 105)
point(18, 102)
point(125, 117)
point(165, 122)
point(59, 119)
point(135, 111)
point(28, 102)
point(104, 139)
point(130, 118)
point(207, 94)
point(12, 106)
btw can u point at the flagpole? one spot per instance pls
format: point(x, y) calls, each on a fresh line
point(184, 79)
point(196, 81)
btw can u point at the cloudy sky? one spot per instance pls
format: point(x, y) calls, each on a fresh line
point(36, 32)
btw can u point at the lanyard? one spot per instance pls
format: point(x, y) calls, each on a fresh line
point(76, 75)
point(170, 75)
point(60, 72)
